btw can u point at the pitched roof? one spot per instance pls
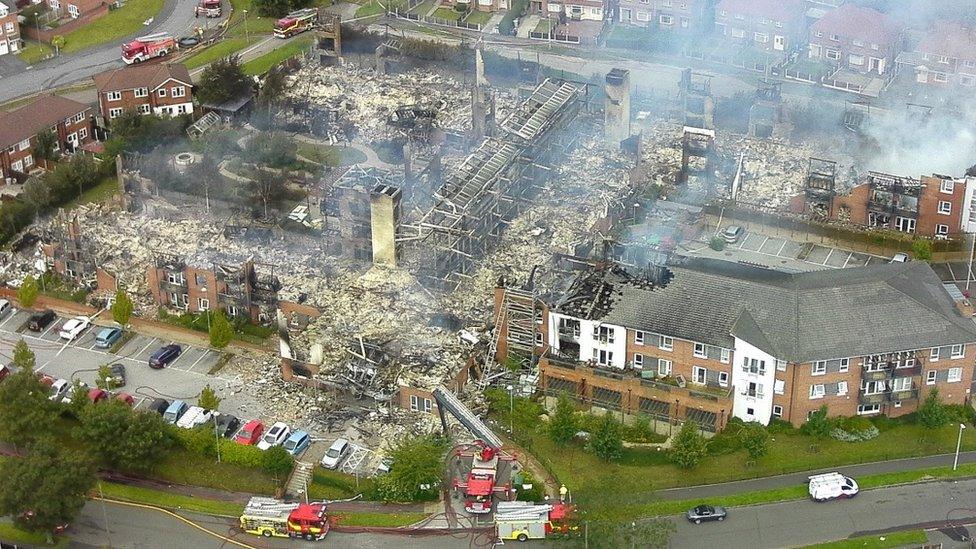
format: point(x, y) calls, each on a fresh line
point(950, 39)
point(777, 10)
point(864, 24)
point(796, 317)
point(42, 113)
point(140, 76)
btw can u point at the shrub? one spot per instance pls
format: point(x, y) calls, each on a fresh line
point(241, 454)
point(689, 446)
point(277, 461)
point(922, 250)
point(855, 436)
point(960, 413)
point(932, 414)
point(755, 439)
point(854, 424)
point(717, 243)
point(779, 426)
point(818, 425)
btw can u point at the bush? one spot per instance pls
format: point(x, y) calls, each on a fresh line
point(960, 413)
point(818, 426)
point(922, 250)
point(241, 454)
point(689, 446)
point(717, 243)
point(755, 439)
point(933, 414)
point(277, 461)
point(779, 426)
point(854, 436)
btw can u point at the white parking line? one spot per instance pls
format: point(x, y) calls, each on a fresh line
point(190, 369)
point(44, 333)
point(848, 260)
point(153, 340)
point(826, 259)
point(172, 365)
point(10, 316)
point(138, 404)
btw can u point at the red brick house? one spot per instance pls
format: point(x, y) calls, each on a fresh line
point(683, 16)
point(70, 120)
point(9, 28)
point(164, 89)
point(946, 56)
point(75, 8)
point(859, 39)
point(772, 25)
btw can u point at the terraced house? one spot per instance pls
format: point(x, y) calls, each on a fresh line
point(710, 340)
point(9, 28)
point(70, 121)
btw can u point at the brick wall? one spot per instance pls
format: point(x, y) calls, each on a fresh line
point(682, 356)
point(929, 216)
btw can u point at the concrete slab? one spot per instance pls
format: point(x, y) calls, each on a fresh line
point(772, 245)
point(858, 260)
point(837, 258)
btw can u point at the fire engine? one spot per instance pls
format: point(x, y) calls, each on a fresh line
point(208, 8)
point(270, 517)
point(296, 22)
point(147, 47)
point(523, 520)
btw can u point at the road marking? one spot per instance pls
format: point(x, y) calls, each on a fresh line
point(178, 517)
point(951, 273)
point(830, 253)
point(44, 333)
point(43, 365)
point(848, 260)
point(190, 369)
point(138, 404)
point(763, 244)
point(151, 341)
point(781, 248)
point(172, 365)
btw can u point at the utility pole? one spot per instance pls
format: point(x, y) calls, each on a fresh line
point(101, 496)
point(217, 436)
point(955, 462)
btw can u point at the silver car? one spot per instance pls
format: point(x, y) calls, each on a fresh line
point(705, 513)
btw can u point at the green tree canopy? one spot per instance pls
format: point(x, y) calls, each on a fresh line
point(46, 146)
point(208, 399)
point(417, 462)
point(755, 439)
point(562, 423)
point(25, 409)
point(607, 442)
point(689, 446)
point(223, 80)
point(122, 308)
point(277, 461)
point(123, 439)
point(221, 331)
point(932, 413)
point(817, 425)
point(27, 293)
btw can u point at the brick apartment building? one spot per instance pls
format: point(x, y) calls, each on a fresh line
point(70, 120)
point(561, 10)
point(945, 57)
point(934, 205)
point(709, 340)
point(164, 89)
point(771, 25)
point(247, 289)
point(683, 16)
point(10, 40)
point(855, 38)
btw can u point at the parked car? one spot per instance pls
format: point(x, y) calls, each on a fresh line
point(107, 337)
point(831, 486)
point(176, 409)
point(4, 371)
point(39, 321)
point(227, 425)
point(5, 307)
point(705, 513)
point(732, 234)
point(275, 436)
point(900, 257)
point(59, 389)
point(384, 466)
point(194, 416)
point(46, 379)
point(164, 355)
point(250, 433)
point(336, 452)
point(159, 406)
point(74, 327)
point(298, 442)
point(126, 398)
point(97, 395)
point(116, 375)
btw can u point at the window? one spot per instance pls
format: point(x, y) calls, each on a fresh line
point(603, 334)
point(942, 229)
point(724, 356)
point(698, 375)
point(24, 145)
point(955, 374)
point(856, 60)
point(845, 365)
point(738, 33)
point(538, 338)
point(418, 404)
point(901, 384)
point(603, 357)
point(663, 367)
point(114, 96)
point(867, 409)
point(967, 80)
point(857, 43)
point(817, 391)
point(934, 354)
point(723, 379)
point(28, 161)
point(948, 186)
point(141, 92)
point(73, 10)
point(874, 47)
point(930, 377)
point(74, 120)
point(667, 343)
point(666, 20)
point(779, 387)
point(777, 410)
point(781, 365)
point(750, 411)
point(203, 303)
point(941, 77)
point(753, 366)
point(639, 337)
point(112, 113)
point(175, 278)
point(700, 350)
point(957, 351)
point(819, 34)
point(639, 361)
point(144, 109)
point(832, 54)
point(760, 37)
point(754, 390)
point(819, 368)
point(643, 15)
point(897, 404)
point(944, 59)
point(841, 388)
point(835, 38)
point(174, 298)
point(232, 310)
point(969, 62)
point(82, 134)
point(873, 387)
point(161, 92)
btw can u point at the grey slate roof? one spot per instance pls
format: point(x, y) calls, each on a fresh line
point(796, 317)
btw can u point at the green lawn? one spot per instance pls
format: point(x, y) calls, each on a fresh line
point(168, 500)
point(35, 52)
point(256, 25)
point(11, 534)
point(183, 467)
point(328, 484)
point(447, 14)
point(104, 190)
point(478, 17)
point(117, 24)
point(423, 7)
point(370, 8)
point(330, 155)
point(893, 539)
point(219, 50)
point(263, 64)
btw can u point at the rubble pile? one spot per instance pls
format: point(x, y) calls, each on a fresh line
point(661, 153)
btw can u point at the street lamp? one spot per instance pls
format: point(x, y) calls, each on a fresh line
point(955, 462)
point(246, 40)
point(511, 409)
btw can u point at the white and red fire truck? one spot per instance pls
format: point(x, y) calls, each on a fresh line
point(270, 517)
point(296, 22)
point(208, 8)
point(147, 47)
point(480, 484)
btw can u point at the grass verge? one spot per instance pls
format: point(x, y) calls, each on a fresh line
point(159, 498)
point(11, 534)
point(263, 64)
point(330, 155)
point(35, 52)
point(478, 17)
point(447, 14)
point(115, 25)
point(369, 9)
point(880, 541)
point(329, 484)
point(184, 467)
point(127, 336)
point(219, 51)
point(387, 520)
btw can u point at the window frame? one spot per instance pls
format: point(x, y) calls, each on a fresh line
point(639, 337)
point(845, 365)
point(950, 378)
point(962, 351)
point(777, 410)
point(666, 343)
point(723, 379)
point(816, 394)
point(947, 210)
point(694, 375)
point(704, 352)
point(931, 377)
point(818, 368)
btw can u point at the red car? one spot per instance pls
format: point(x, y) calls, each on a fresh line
point(250, 433)
point(4, 372)
point(97, 395)
point(126, 398)
point(46, 379)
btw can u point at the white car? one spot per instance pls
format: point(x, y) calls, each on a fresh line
point(334, 456)
point(274, 436)
point(193, 417)
point(5, 307)
point(59, 389)
point(74, 327)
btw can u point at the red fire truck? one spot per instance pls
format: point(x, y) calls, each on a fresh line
point(296, 22)
point(479, 486)
point(270, 517)
point(148, 47)
point(208, 8)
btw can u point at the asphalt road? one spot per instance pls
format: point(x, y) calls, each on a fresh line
point(804, 522)
point(176, 17)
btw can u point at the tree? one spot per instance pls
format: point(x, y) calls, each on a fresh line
point(271, 93)
point(689, 446)
point(277, 461)
point(79, 399)
point(922, 250)
point(271, 150)
point(47, 487)
point(933, 414)
point(46, 146)
point(263, 187)
point(650, 534)
point(220, 330)
point(418, 468)
point(27, 293)
point(25, 409)
point(755, 439)
point(122, 308)
point(817, 425)
point(37, 193)
point(272, 8)
point(607, 442)
point(562, 424)
point(123, 439)
point(208, 399)
point(222, 81)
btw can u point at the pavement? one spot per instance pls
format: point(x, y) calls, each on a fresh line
point(799, 523)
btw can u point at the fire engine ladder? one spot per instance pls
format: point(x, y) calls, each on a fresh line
point(268, 507)
point(154, 37)
point(493, 345)
point(449, 402)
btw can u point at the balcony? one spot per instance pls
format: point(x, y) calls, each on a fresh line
point(877, 398)
point(909, 394)
point(876, 375)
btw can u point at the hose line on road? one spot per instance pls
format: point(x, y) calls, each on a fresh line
point(176, 516)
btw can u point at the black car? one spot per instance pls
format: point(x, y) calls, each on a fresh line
point(38, 321)
point(159, 406)
point(227, 425)
point(117, 371)
point(704, 513)
point(164, 355)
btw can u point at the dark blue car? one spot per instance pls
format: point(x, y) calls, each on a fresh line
point(164, 355)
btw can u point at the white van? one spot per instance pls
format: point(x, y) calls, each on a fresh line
point(832, 486)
